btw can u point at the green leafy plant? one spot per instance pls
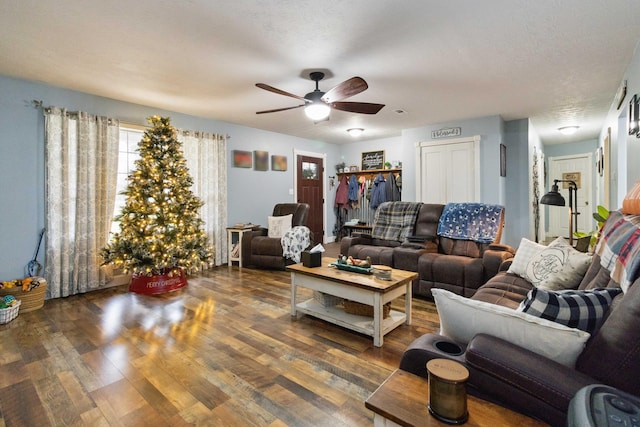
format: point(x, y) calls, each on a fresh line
point(600, 215)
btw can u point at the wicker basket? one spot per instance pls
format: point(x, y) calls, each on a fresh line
point(31, 300)
point(10, 313)
point(326, 300)
point(353, 307)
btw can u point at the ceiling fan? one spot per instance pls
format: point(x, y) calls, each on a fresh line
point(318, 104)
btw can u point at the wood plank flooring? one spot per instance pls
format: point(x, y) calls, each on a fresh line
point(223, 351)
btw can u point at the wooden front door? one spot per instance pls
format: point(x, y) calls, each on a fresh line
point(310, 190)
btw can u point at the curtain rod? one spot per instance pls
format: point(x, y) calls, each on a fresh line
point(40, 105)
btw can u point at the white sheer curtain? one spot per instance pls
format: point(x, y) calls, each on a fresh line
point(206, 156)
point(81, 173)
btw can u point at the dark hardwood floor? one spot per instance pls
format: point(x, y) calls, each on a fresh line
point(223, 351)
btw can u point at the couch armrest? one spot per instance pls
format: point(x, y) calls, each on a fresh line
point(355, 239)
point(246, 243)
point(493, 258)
point(521, 379)
point(501, 247)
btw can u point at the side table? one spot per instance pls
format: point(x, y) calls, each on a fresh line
point(402, 399)
point(234, 244)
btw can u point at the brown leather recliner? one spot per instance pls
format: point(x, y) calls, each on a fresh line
point(260, 250)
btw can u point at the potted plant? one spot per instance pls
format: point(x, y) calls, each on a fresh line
point(591, 238)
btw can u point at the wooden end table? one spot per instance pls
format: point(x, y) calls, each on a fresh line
point(402, 401)
point(362, 288)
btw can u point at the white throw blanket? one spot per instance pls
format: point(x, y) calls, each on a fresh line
point(294, 242)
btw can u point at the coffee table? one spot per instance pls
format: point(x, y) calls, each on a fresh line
point(362, 288)
point(402, 401)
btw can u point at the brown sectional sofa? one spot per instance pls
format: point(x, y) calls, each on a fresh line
point(527, 382)
point(460, 266)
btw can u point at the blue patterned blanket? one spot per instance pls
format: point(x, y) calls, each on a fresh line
point(395, 220)
point(478, 222)
point(619, 248)
point(295, 241)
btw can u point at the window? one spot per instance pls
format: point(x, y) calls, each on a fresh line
point(127, 155)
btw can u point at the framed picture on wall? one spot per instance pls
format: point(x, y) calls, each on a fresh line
point(278, 163)
point(242, 159)
point(503, 160)
point(261, 160)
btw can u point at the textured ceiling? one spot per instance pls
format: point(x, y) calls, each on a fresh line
point(558, 62)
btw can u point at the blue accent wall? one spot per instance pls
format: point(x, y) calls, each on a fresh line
point(251, 194)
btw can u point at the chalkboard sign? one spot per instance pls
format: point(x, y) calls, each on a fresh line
point(372, 160)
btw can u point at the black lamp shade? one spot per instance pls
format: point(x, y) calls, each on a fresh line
point(553, 197)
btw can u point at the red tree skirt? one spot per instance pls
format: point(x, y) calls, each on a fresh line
point(158, 284)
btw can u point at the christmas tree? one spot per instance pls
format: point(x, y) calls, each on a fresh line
point(160, 225)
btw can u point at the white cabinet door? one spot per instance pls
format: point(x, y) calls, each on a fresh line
point(448, 171)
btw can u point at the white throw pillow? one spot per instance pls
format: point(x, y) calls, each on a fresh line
point(278, 225)
point(526, 250)
point(463, 318)
point(554, 267)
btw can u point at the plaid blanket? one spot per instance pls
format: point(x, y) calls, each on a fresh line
point(478, 222)
point(295, 241)
point(619, 248)
point(395, 220)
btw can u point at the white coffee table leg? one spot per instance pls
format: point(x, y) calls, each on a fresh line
point(293, 294)
point(377, 320)
point(407, 304)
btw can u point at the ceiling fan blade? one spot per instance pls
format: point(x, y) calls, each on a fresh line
point(358, 107)
point(279, 109)
point(278, 91)
point(347, 88)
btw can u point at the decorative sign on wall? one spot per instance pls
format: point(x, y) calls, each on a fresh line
point(571, 176)
point(446, 133)
point(372, 160)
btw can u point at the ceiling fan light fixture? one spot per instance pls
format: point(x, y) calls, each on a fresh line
point(355, 132)
point(568, 130)
point(317, 111)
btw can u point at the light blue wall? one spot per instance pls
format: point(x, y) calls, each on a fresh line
point(625, 149)
point(251, 194)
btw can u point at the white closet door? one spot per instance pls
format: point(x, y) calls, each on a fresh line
point(448, 171)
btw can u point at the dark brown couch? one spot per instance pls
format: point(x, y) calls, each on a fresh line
point(532, 384)
point(460, 266)
point(260, 250)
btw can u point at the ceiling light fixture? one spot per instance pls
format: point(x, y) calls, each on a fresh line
point(355, 132)
point(317, 111)
point(568, 130)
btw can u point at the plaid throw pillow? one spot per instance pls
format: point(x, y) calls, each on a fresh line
point(584, 310)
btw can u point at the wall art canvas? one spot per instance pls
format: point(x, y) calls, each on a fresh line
point(242, 159)
point(279, 163)
point(261, 160)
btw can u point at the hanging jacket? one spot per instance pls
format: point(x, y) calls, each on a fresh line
point(391, 189)
point(378, 193)
point(342, 193)
point(353, 189)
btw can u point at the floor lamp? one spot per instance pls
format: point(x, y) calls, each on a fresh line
point(554, 198)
